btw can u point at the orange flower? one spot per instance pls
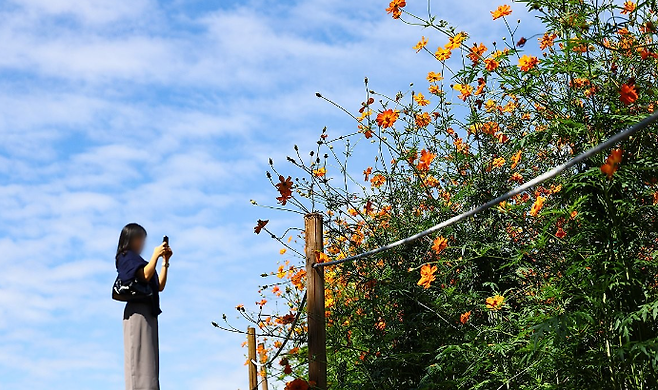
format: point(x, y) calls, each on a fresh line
point(285, 189)
point(629, 7)
point(501, 11)
point(433, 77)
point(516, 158)
point(423, 120)
point(537, 206)
point(560, 233)
point(282, 251)
point(378, 180)
point(442, 54)
point(498, 162)
point(387, 118)
point(320, 172)
point(548, 40)
point(465, 89)
point(655, 198)
point(260, 225)
point(426, 159)
point(434, 89)
point(476, 52)
point(491, 64)
point(612, 163)
point(456, 41)
point(464, 317)
point(420, 99)
point(527, 62)
point(367, 173)
point(440, 243)
point(427, 275)
point(262, 302)
point(395, 8)
point(298, 279)
point(297, 384)
point(628, 94)
point(421, 44)
point(495, 302)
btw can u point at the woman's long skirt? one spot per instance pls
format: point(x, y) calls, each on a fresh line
point(140, 343)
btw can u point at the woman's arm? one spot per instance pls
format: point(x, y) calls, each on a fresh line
point(146, 273)
point(165, 267)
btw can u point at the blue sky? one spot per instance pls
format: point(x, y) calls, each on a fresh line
point(164, 113)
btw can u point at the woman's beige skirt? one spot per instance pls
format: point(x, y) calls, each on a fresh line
point(140, 343)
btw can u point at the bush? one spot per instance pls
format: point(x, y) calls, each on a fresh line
point(555, 288)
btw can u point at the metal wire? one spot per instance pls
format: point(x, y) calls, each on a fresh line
point(538, 180)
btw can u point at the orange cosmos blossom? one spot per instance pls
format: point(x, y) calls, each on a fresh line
point(629, 7)
point(434, 89)
point(421, 44)
point(476, 52)
point(433, 77)
point(440, 243)
point(442, 54)
point(298, 384)
point(464, 317)
point(495, 302)
point(387, 118)
point(546, 41)
point(367, 172)
point(527, 62)
point(537, 206)
point(427, 275)
point(465, 89)
point(378, 180)
point(426, 159)
point(501, 11)
point(456, 41)
point(420, 99)
point(498, 162)
point(612, 163)
point(516, 158)
point(628, 94)
point(395, 8)
point(491, 64)
point(320, 172)
point(423, 120)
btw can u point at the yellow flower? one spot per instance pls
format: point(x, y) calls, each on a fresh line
point(527, 62)
point(498, 162)
point(434, 89)
point(629, 7)
point(495, 302)
point(442, 54)
point(456, 41)
point(427, 275)
point(501, 11)
point(434, 77)
point(421, 44)
point(320, 172)
point(537, 206)
point(282, 251)
point(420, 99)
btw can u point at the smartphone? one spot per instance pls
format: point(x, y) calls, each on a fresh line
point(165, 239)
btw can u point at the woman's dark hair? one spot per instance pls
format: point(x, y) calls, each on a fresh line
point(128, 234)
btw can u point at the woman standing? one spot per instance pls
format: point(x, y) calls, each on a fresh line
point(140, 317)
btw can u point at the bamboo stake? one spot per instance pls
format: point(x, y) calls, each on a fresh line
point(251, 344)
point(317, 347)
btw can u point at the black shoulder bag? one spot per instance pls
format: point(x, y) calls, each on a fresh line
point(131, 291)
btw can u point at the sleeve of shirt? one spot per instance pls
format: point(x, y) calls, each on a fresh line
point(128, 264)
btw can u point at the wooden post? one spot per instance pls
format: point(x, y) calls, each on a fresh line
point(317, 333)
point(263, 369)
point(251, 345)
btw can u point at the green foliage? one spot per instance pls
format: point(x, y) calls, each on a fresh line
point(575, 260)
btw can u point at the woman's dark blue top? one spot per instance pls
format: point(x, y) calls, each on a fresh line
point(127, 264)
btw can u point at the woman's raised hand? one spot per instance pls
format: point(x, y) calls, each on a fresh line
point(160, 250)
